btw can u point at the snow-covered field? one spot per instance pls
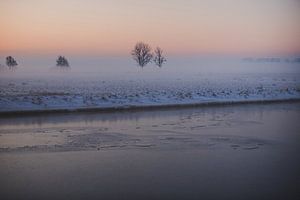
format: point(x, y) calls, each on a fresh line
point(73, 89)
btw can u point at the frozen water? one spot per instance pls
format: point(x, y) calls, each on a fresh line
point(229, 152)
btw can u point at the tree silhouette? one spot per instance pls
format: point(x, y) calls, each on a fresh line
point(159, 59)
point(62, 62)
point(11, 62)
point(142, 54)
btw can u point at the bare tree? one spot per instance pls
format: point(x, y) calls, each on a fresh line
point(142, 54)
point(11, 62)
point(159, 59)
point(62, 62)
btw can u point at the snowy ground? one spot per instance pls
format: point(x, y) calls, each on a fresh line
point(36, 94)
point(36, 87)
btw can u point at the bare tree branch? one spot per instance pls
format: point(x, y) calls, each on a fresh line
point(142, 54)
point(62, 62)
point(159, 59)
point(11, 62)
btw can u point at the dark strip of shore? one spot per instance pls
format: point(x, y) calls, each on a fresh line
point(4, 114)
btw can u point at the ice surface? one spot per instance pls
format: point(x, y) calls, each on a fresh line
point(241, 128)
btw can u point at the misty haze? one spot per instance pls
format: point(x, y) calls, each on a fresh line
point(138, 99)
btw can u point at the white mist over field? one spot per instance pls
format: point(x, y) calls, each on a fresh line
point(103, 82)
point(122, 67)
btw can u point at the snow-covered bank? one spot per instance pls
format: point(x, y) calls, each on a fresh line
point(38, 94)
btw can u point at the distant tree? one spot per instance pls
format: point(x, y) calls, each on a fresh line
point(11, 62)
point(62, 62)
point(159, 59)
point(142, 54)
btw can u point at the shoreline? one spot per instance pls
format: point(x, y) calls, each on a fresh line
point(130, 108)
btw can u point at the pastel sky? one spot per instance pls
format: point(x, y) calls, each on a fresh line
point(112, 27)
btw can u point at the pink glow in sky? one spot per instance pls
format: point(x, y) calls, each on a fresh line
point(179, 26)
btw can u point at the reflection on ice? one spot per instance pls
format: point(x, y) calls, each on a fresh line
point(246, 127)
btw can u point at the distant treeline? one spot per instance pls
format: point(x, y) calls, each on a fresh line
point(141, 53)
point(11, 62)
point(272, 59)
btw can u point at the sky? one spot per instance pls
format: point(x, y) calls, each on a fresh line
point(180, 27)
